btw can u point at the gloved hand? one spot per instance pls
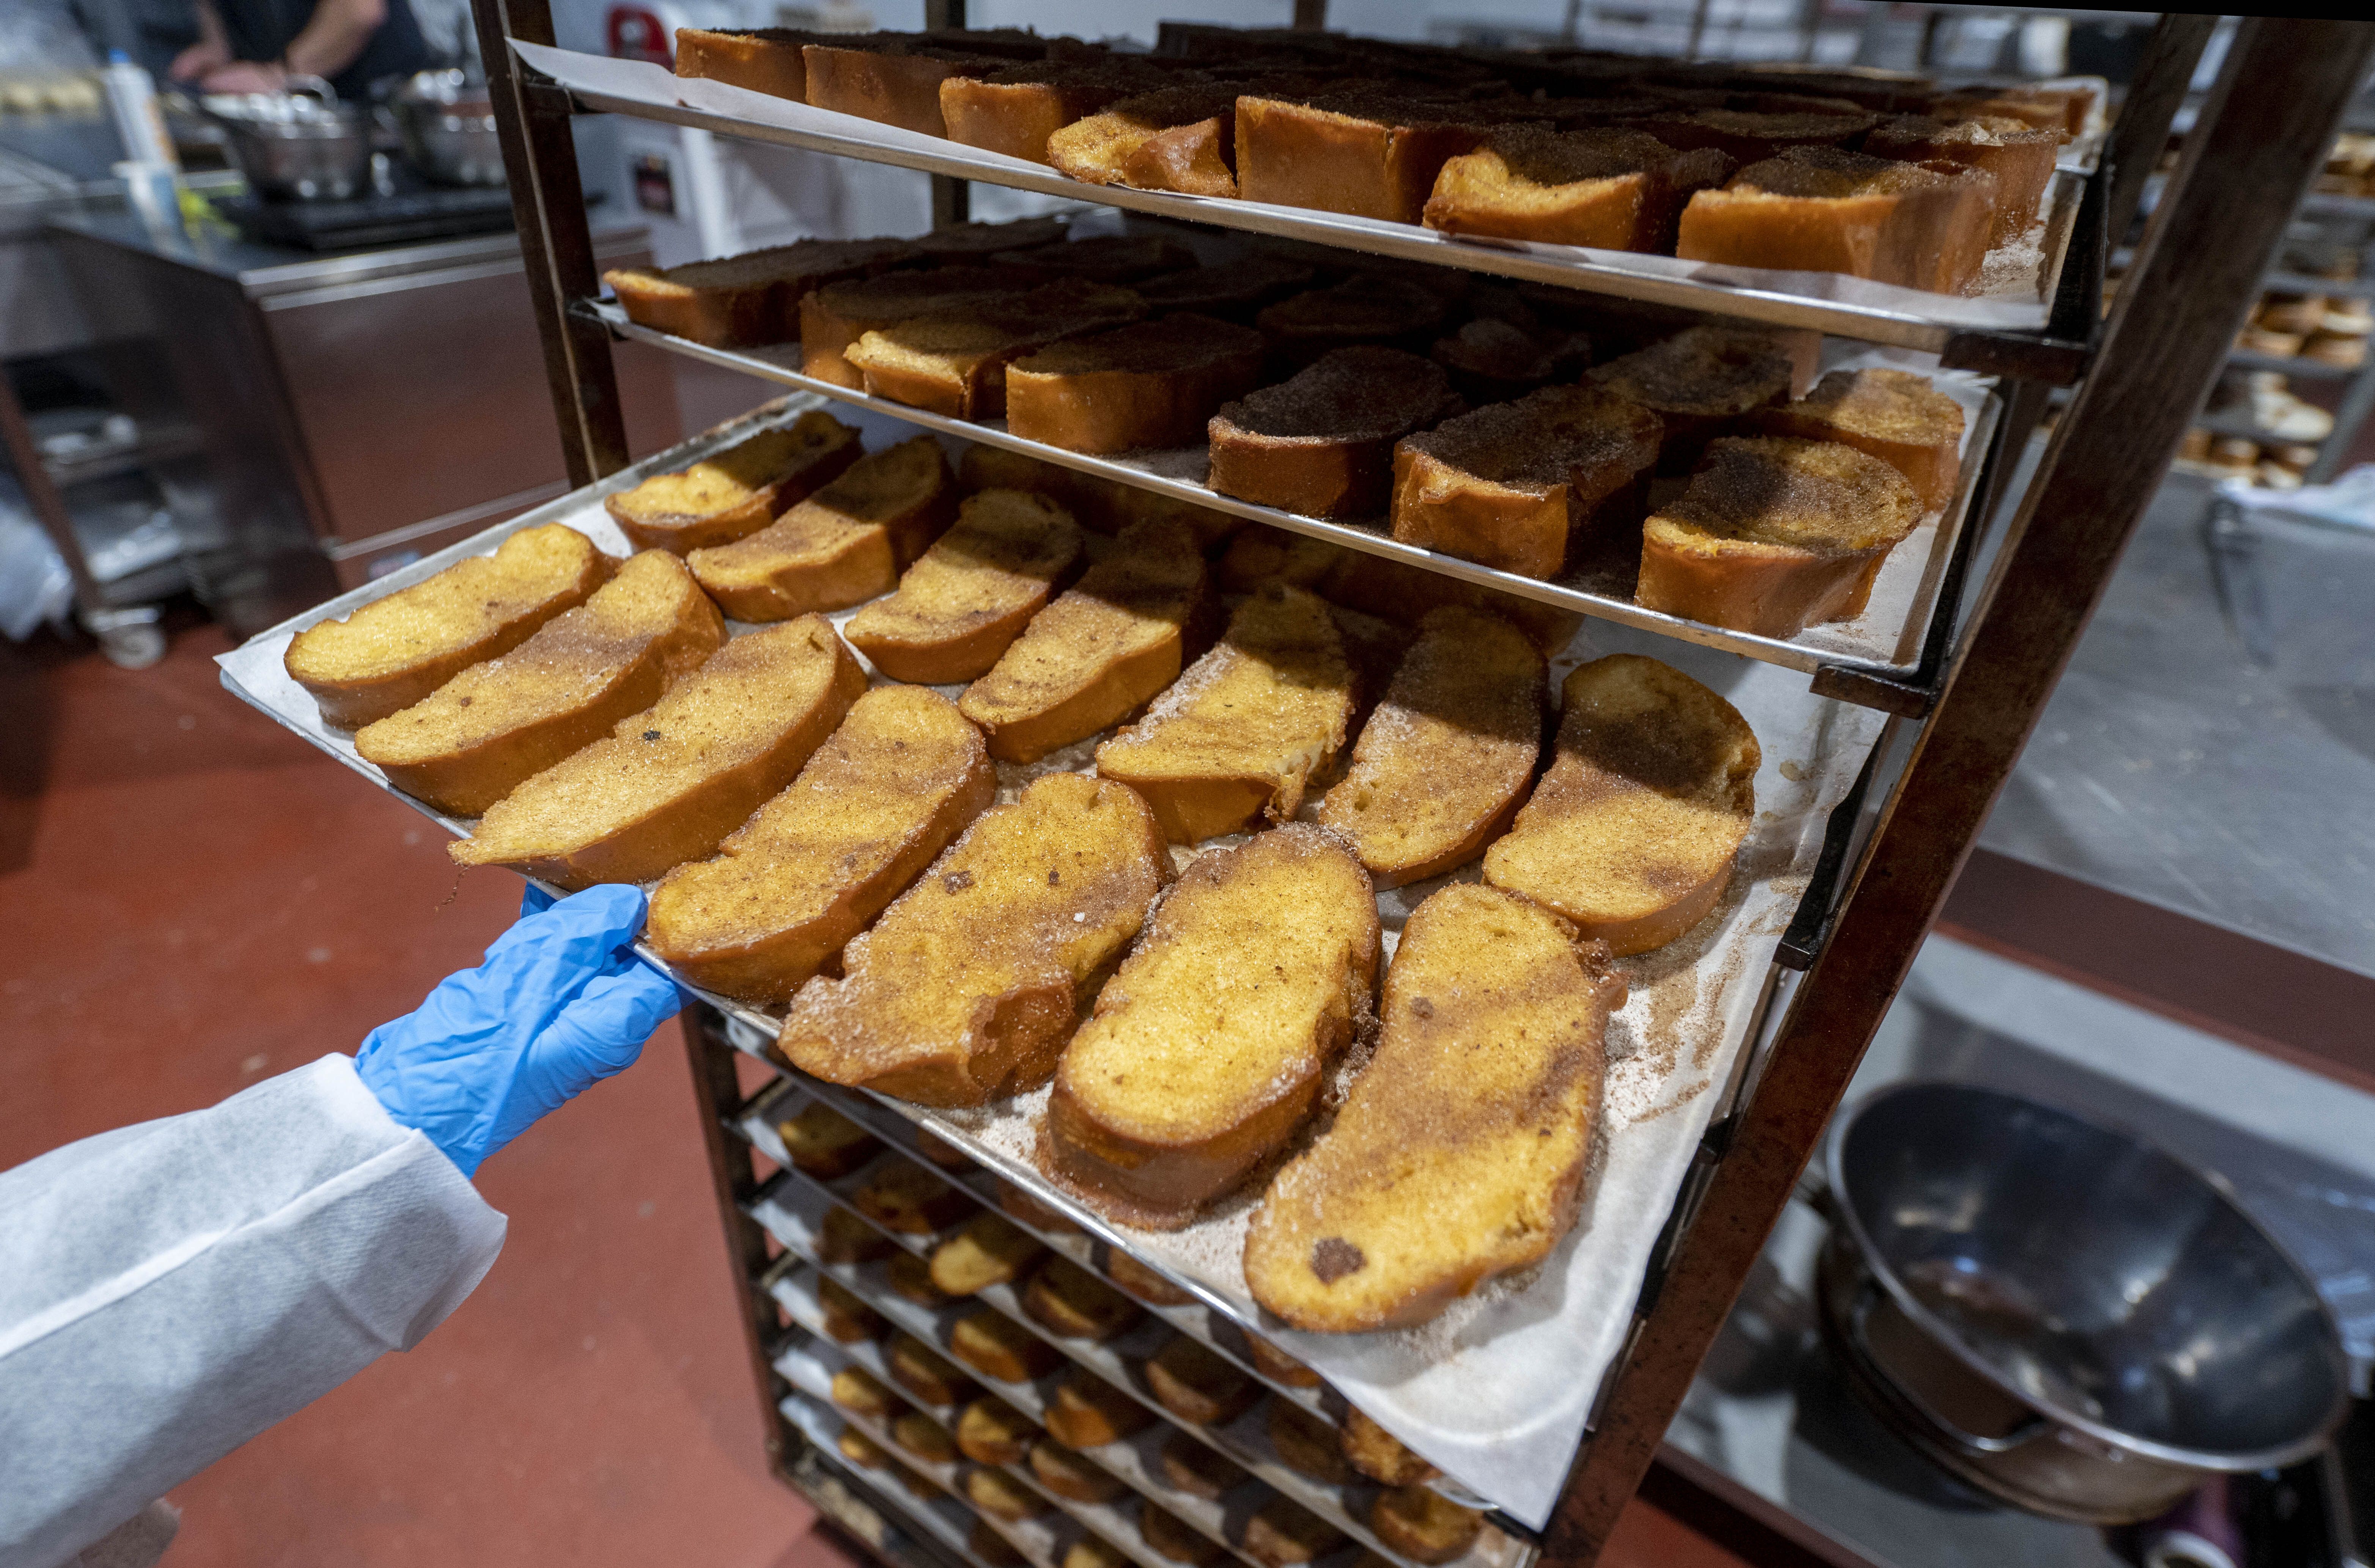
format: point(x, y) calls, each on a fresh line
point(560, 1003)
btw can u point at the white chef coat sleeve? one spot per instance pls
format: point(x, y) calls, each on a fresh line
point(170, 1289)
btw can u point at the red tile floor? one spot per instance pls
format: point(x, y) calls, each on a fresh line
point(191, 899)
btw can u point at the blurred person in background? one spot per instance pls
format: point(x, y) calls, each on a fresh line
point(256, 45)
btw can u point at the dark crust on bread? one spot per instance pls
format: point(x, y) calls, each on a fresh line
point(1321, 442)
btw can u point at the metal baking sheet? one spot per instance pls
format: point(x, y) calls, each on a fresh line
point(2018, 283)
point(1496, 1392)
point(1885, 640)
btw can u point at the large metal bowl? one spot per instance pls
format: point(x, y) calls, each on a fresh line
point(303, 145)
point(2063, 1316)
point(447, 126)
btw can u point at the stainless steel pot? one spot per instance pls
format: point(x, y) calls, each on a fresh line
point(302, 145)
point(447, 126)
point(2062, 1315)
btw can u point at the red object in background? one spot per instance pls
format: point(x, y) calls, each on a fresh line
point(637, 33)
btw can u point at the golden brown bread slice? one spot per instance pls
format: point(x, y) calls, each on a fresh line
point(1089, 1412)
point(965, 989)
point(1015, 111)
point(1174, 138)
point(1460, 1153)
point(1001, 1496)
point(1378, 1454)
point(1143, 1282)
point(1261, 552)
point(1321, 443)
point(1651, 790)
point(994, 1433)
point(1278, 1366)
point(1097, 654)
point(973, 592)
point(734, 492)
point(1196, 1385)
point(837, 315)
point(891, 79)
point(1285, 1535)
point(824, 1143)
point(392, 653)
point(1774, 534)
point(954, 364)
point(1702, 383)
point(1612, 187)
point(891, 788)
point(1239, 734)
point(854, 1388)
point(2020, 158)
point(903, 1197)
point(474, 739)
point(924, 1438)
point(842, 545)
point(1423, 1524)
point(762, 59)
point(1060, 1468)
point(996, 1346)
point(911, 1277)
point(847, 1319)
point(672, 780)
point(1373, 154)
point(1152, 384)
point(1826, 209)
point(926, 1373)
point(1072, 1304)
point(1519, 485)
point(1309, 1444)
point(1209, 1049)
point(990, 1250)
point(743, 301)
point(845, 1238)
point(1445, 759)
point(1896, 416)
point(1190, 1466)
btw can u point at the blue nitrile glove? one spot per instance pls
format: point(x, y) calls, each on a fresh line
point(560, 1003)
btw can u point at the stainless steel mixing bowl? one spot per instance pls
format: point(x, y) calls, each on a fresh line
point(2063, 1316)
point(448, 128)
point(302, 145)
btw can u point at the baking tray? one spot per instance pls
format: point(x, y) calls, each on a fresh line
point(2018, 283)
point(1886, 641)
point(1496, 1392)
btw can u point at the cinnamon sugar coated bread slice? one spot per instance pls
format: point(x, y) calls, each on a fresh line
point(746, 300)
point(1614, 188)
point(1210, 1048)
point(837, 315)
point(1378, 1454)
point(1108, 258)
point(996, 1346)
point(2019, 156)
point(1747, 135)
point(964, 990)
point(1143, 1282)
point(1321, 443)
point(990, 1250)
point(1061, 1471)
point(1460, 1152)
point(739, 491)
point(1015, 111)
point(1826, 209)
point(1368, 154)
point(898, 85)
point(1072, 1304)
point(826, 1144)
point(1445, 760)
point(1001, 1496)
point(1089, 1412)
point(1150, 384)
point(1896, 416)
point(842, 545)
point(1243, 729)
point(1233, 290)
point(477, 737)
point(1107, 506)
point(1518, 485)
point(391, 653)
point(1775, 534)
point(1198, 1384)
point(1100, 651)
point(971, 595)
point(762, 59)
point(1651, 791)
point(1370, 308)
point(672, 780)
point(1423, 1524)
point(902, 1196)
point(880, 799)
point(991, 1432)
point(954, 362)
point(1190, 1466)
point(1702, 383)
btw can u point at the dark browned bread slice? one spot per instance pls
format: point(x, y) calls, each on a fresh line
point(474, 740)
point(735, 491)
point(1896, 416)
point(672, 780)
point(1460, 1153)
point(964, 990)
point(1232, 291)
point(1321, 443)
point(1368, 308)
point(392, 653)
point(896, 783)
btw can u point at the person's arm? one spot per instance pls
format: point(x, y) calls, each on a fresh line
point(170, 1289)
point(334, 37)
point(209, 54)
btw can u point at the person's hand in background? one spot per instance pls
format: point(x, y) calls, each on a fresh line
point(560, 1003)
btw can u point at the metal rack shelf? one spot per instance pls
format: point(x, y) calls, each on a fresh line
point(1866, 680)
point(2139, 378)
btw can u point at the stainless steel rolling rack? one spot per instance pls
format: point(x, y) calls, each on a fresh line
point(1961, 713)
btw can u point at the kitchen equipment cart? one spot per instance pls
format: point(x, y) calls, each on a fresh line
point(1960, 707)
